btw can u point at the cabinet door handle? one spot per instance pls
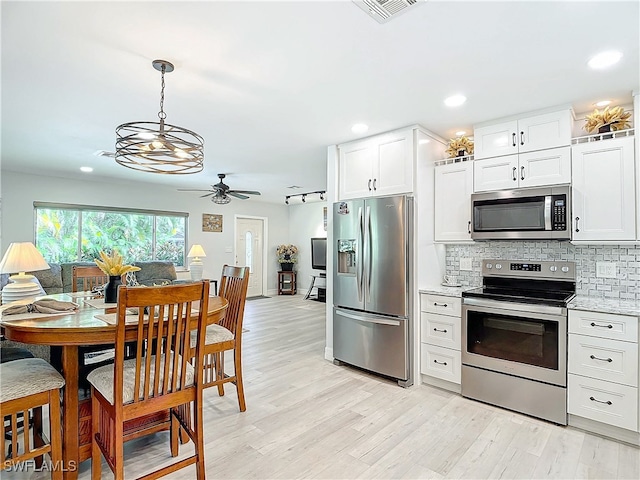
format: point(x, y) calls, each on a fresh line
point(369, 184)
point(441, 331)
point(439, 363)
point(601, 326)
point(521, 138)
point(469, 227)
point(577, 220)
point(513, 139)
point(521, 173)
point(608, 402)
point(436, 304)
point(374, 184)
point(593, 357)
point(515, 179)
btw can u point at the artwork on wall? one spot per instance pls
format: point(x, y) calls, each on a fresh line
point(211, 222)
point(324, 213)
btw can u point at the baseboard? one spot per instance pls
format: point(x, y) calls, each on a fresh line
point(599, 428)
point(443, 384)
point(328, 353)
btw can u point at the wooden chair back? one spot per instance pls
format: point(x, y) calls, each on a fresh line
point(233, 286)
point(88, 278)
point(164, 322)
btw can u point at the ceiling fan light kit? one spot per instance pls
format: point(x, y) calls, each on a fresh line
point(158, 147)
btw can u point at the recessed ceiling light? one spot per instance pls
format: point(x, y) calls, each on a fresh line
point(602, 103)
point(605, 59)
point(360, 128)
point(455, 100)
point(86, 169)
point(460, 133)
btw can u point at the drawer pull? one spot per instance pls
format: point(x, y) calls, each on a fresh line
point(608, 402)
point(436, 330)
point(593, 357)
point(601, 326)
point(436, 304)
point(439, 363)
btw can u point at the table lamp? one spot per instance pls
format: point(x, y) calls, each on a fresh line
point(196, 266)
point(19, 258)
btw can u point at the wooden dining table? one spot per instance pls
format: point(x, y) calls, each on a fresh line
point(69, 331)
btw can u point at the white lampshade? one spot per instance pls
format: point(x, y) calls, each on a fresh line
point(196, 267)
point(19, 258)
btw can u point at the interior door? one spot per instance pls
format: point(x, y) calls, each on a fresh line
point(249, 251)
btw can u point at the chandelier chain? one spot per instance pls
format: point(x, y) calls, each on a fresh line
point(161, 114)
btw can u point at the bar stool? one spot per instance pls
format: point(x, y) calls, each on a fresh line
point(29, 384)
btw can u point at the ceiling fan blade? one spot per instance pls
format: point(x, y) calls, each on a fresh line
point(207, 194)
point(234, 193)
point(246, 192)
point(192, 190)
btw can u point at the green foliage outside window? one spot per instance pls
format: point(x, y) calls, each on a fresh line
point(69, 235)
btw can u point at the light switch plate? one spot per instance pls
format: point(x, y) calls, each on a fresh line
point(466, 263)
point(606, 269)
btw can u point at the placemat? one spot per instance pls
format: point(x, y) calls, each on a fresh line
point(81, 294)
point(99, 303)
point(31, 316)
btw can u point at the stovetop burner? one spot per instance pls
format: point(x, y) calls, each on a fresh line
point(542, 283)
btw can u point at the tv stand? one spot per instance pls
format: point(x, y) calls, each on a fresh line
point(321, 290)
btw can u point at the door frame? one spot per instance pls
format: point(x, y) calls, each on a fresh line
point(265, 229)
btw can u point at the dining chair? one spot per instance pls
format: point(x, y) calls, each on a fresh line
point(87, 278)
point(26, 385)
point(158, 378)
point(227, 335)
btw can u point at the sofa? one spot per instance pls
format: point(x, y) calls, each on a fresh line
point(59, 276)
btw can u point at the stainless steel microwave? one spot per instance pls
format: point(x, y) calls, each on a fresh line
point(540, 213)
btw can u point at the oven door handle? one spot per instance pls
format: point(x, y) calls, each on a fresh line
point(543, 312)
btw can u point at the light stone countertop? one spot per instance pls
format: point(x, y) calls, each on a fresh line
point(445, 291)
point(605, 305)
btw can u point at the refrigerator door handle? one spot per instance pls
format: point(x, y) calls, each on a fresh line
point(352, 316)
point(359, 252)
point(369, 254)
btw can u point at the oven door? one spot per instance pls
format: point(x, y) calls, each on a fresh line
point(528, 341)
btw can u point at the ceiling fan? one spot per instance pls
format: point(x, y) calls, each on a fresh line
point(220, 192)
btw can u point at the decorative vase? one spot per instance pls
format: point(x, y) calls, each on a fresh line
point(461, 153)
point(286, 267)
point(605, 129)
point(111, 289)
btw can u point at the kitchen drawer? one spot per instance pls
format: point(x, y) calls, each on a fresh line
point(440, 304)
point(441, 330)
point(605, 325)
point(610, 360)
point(604, 402)
point(439, 362)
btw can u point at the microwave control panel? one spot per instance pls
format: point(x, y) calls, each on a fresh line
point(559, 212)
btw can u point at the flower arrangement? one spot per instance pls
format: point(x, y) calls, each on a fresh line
point(616, 118)
point(459, 144)
point(112, 264)
point(287, 253)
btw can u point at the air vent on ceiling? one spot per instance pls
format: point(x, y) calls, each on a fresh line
point(384, 10)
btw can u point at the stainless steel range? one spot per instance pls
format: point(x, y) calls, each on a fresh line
point(514, 337)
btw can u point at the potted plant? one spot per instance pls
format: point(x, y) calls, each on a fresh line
point(287, 256)
point(459, 147)
point(609, 119)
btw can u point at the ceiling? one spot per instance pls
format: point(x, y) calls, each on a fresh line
point(269, 85)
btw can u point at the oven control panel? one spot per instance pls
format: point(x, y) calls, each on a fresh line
point(537, 269)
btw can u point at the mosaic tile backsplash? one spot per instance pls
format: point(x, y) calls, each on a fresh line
point(626, 285)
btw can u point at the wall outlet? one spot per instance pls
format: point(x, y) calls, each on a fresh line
point(606, 269)
point(466, 263)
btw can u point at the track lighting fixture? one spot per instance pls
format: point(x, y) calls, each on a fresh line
point(304, 196)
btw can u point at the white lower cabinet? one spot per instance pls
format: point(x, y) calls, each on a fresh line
point(603, 368)
point(440, 340)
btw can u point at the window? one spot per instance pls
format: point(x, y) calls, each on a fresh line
point(70, 233)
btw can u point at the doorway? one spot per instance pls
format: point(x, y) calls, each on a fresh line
point(250, 244)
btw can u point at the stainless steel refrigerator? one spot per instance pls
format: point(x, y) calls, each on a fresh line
point(372, 287)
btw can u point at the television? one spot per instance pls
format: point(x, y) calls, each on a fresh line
point(319, 253)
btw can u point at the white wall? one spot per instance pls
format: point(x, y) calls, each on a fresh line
point(19, 191)
point(305, 222)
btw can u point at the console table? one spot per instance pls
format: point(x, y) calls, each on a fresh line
point(287, 283)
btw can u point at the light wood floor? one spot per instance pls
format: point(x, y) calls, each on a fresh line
point(307, 418)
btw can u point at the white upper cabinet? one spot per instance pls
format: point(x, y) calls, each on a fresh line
point(603, 181)
point(453, 188)
point(377, 166)
point(526, 134)
point(531, 169)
